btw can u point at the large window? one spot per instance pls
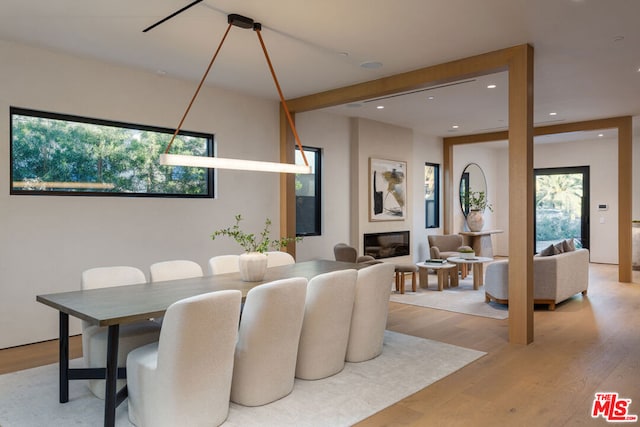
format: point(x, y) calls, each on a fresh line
point(432, 195)
point(308, 207)
point(69, 155)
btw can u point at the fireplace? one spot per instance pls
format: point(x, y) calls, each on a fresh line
point(387, 245)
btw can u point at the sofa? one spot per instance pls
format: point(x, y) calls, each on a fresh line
point(555, 278)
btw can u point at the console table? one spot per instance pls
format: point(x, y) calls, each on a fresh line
point(480, 241)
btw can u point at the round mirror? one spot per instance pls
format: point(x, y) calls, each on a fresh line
point(473, 189)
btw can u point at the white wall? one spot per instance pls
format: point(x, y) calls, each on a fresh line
point(46, 241)
point(425, 149)
point(602, 158)
point(331, 133)
point(489, 160)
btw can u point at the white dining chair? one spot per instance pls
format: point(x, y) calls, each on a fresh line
point(277, 258)
point(174, 269)
point(185, 378)
point(327, 321)
point(266, 353)
point(132, 335)
point(370, 309)
point(222, 264)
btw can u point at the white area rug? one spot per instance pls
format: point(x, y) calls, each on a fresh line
point(408, 364)
point(462, 299)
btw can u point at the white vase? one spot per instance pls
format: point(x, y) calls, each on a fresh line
point(475, 220)
point(253, 266)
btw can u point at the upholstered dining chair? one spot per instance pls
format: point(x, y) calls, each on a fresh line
point(266, 352)
point(222, 264)
point(370, 309)
point(346, 253)
point(185, 378)
point(174, 269)
point(132, 335)
point(276, 258)
point(327, 321)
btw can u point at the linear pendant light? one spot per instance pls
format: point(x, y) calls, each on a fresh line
point(238, 164)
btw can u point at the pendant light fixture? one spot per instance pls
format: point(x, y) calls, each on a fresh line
point(223, 163)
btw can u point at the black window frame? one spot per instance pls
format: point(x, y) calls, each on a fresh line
point(436, 202)
point(317, 167)
point(210, 176)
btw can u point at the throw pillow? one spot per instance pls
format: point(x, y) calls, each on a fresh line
point(559, 248)
point(548, 251)
point(568, 245)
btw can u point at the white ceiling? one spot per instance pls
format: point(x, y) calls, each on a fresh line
point(587, 55)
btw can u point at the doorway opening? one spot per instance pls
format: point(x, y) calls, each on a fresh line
point(562, 206)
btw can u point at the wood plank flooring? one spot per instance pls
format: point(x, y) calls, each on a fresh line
point(586, 345)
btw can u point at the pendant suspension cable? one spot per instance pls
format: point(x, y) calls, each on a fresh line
point(215, 55)
point(284, 103)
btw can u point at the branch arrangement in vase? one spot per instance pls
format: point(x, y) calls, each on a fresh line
point(251, 242)
point(477, 201)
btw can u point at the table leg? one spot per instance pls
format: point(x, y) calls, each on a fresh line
point(64, 357)
point(478, 279)
point(423, 274)
point(453, 277)
point(111, 376)
point(441, 279)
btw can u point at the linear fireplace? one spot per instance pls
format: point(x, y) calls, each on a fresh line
point(387, 245)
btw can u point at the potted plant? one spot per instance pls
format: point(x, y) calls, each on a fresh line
point(477, 203)
point(253, 263)
point(466, 253)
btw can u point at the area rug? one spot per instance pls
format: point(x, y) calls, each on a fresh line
point(462, 299)
point(29, 398)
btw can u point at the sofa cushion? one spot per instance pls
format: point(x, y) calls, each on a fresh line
point(568, 245)
point(548, 251)
point(559, 247)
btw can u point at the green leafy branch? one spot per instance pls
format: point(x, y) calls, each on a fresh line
point(251, 242)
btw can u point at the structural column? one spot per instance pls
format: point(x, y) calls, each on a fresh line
point(521, 196)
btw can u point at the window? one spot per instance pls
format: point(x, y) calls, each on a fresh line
point(58, 154)
point(432, 195)
point(308, 207)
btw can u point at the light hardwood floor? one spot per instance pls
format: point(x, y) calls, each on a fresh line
point(586, 345)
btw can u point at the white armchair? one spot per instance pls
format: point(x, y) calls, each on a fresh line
point(132, 335)
point(326, 325)
point(185, 378)
point(276, 258)
point(265, 359)
point(174, 269)
point(370, 309)
point(222, 264)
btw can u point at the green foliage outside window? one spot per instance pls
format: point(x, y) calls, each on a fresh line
point(66, 154)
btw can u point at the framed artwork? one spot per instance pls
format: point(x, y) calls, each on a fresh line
point(387, 190)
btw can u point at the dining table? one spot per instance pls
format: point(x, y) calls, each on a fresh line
point(114, 306)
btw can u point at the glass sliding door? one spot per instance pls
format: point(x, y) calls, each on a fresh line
point(562, 206)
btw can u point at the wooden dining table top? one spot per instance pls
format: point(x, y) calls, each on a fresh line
point(130, 303)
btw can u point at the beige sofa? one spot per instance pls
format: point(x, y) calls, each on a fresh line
point(555, 278)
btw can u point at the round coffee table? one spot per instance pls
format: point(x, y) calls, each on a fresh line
point(477, 263)
point(447, 274)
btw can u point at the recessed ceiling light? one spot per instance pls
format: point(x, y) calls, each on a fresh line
point(371, 65)
point(380, 107)
point(492, 86)
point(161, 72)
point(553, 114)
point(433, 97)
point(601, 135)
point(455, 127)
